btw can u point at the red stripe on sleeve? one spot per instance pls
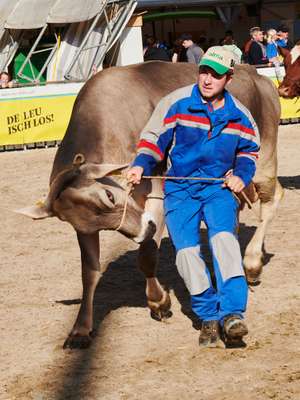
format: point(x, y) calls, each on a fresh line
point(248, 154)
point(186, 117)
point(151, 146)
point(242, 128)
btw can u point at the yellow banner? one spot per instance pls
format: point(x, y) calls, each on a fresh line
point(41, 114)
point(24, 121)
point(290, 108)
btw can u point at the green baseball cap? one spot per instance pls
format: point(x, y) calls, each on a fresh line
point(219, 59)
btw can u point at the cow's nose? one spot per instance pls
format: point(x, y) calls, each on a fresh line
point(283, 91)
point(148, 228)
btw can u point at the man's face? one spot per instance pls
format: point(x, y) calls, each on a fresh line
point(210, 83)
point(187, 43)
point(4, 78)
point(258, 36)
point(283, 35)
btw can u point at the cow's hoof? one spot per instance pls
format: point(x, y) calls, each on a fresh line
point(77, 341)
point(161, 310)
point(253, 276)
point(253, 265)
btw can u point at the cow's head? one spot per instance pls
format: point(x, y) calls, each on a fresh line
point(91, 199)
point(290, 86)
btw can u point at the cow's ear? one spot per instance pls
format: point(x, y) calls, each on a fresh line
point(38, 211)
point(97, 171)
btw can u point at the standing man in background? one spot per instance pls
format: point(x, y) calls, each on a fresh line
point(194, 53)
point(257, 51)
point(283, 37)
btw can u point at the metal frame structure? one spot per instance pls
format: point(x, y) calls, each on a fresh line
point(12, 43)
point(33, 51)
point(113, 16)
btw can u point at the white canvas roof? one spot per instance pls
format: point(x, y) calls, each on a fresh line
point(28, 14)
point(187, 3)
point(6, 7)
point(32, 14)
point(67, 11)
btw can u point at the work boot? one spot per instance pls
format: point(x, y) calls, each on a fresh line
point(210, 334)
point(235, 327)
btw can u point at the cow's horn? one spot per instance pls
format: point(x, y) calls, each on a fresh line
point(59, 183)
point(78, 160)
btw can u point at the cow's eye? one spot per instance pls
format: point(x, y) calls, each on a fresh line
point(110, 196)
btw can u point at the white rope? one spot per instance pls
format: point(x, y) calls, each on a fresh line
point(128, 190)
point(130, 186)
point(189, 178)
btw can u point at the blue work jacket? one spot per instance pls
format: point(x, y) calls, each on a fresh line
point(197, 140)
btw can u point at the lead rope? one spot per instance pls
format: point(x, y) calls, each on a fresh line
point(128, 191)
point(130, 186)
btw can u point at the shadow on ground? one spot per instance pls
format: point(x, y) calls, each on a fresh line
point(122, 285)
point(290, 182)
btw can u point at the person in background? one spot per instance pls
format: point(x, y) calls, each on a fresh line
point(227, 38)
point(272, 53)
point(257, 51)
point(154, 52)
point(283, 37)
point(203, 43)
point(247, 45)
point(5, 81)
point(204, 132)
point(178, 52)
point(229, 44)
point(193, 52)
point(272, 46)
point(162, 45)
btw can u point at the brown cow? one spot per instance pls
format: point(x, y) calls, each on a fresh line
point(108, 115)
point(290, 86)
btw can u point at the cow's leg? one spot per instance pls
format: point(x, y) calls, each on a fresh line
point(80, 336)
point(158, 299)
point(253, 259)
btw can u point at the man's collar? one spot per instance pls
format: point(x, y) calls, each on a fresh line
point(198, 103)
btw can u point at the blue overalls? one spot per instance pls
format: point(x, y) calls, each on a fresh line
point(217, 207)
point(201, 142)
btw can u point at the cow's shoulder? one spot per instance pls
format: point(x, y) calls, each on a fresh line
point(180, 94)
point(244, 112)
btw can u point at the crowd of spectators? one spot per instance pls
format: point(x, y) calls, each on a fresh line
point(262, 48)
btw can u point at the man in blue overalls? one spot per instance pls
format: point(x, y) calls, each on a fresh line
point(205, 132)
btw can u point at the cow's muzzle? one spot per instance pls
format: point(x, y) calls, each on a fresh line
point(284, 91)
point(148, 228)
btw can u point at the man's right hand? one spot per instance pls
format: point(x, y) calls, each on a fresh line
point(134, 175)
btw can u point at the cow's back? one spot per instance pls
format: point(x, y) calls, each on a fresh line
point(259, 95)
point(113, 107)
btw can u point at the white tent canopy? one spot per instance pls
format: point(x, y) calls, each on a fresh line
point(90, 29)
point(187, 3)
point(68, 11)
point(33, 14)
point(6, 7)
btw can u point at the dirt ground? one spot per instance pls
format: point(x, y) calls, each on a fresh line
point(134, 356)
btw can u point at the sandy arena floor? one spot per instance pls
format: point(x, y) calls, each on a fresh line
point(133, 356)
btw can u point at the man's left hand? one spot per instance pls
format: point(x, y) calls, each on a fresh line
point(234, 183)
